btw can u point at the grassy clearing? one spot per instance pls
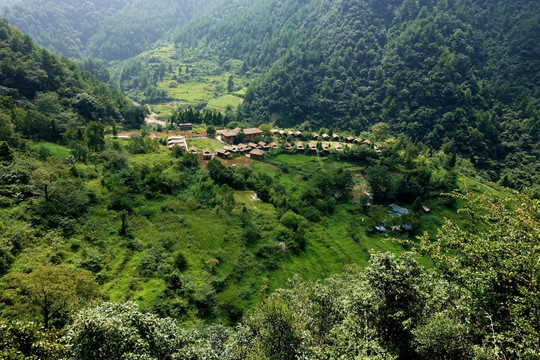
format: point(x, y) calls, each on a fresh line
point(202, 144)
point(224, 102)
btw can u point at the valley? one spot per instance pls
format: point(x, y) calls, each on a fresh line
point(281, 179)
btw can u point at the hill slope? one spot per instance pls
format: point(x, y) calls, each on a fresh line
point(458, 76)
point(109, 30)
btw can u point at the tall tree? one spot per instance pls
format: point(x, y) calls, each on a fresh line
point(50, 291)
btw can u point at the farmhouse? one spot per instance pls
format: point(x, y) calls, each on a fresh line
point(287, 146)
point(425, 208)
point(281, 132)
point(186, 126)
point(326, 137)
point(252, 145)
point(274, 145)
point(358, 141)
point(256, 154)
point(325, 147)
point(335, 137)
point(263, 145)
point(244, 148)
point(349, 139)
point(313, 148)
point(315, 136)
point(252, 133)
point(232, 149)
point(338, 147)
point(229, 136)
point(193, 150)
point(222, 153)
point(153, 136)
point(298, 133)
point(367, 142)
point(300, 147)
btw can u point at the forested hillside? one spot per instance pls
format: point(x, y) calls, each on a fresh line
point(106, 29)
point(44, 97)
point(459, 76)
point(365, 227)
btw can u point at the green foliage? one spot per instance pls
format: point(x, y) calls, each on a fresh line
point(50, 292)
point(19, 340)
point(494, 260)
point(121, 331)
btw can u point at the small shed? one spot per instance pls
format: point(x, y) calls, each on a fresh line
point(207, 154)
point(426, 209)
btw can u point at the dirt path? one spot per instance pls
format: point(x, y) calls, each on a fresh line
point(151, 119)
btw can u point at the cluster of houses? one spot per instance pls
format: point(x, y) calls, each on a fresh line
point(257, 150)
point(253, 150)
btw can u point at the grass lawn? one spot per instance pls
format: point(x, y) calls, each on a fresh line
point(202, 144)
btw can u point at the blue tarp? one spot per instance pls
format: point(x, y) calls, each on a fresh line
point(398, 209)
point(380, 228)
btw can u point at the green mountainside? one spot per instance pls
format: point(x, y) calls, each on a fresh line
point(105, 29)
point(394, 236)
point(456, 75)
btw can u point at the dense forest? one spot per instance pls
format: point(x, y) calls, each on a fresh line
point(398, 237)
point(459, 76)
point(106, 29)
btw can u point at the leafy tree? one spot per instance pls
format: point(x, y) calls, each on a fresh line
point(20, 340)
point(51, 292)
point(381, 183)
point(230, 84)
point(122, 331)
point(95, 137)
point(495, 262)
point(6, 154)
point(380, 131)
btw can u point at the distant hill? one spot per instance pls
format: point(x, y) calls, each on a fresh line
point(459, 76)
point(107, 29)
point(44, 97)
